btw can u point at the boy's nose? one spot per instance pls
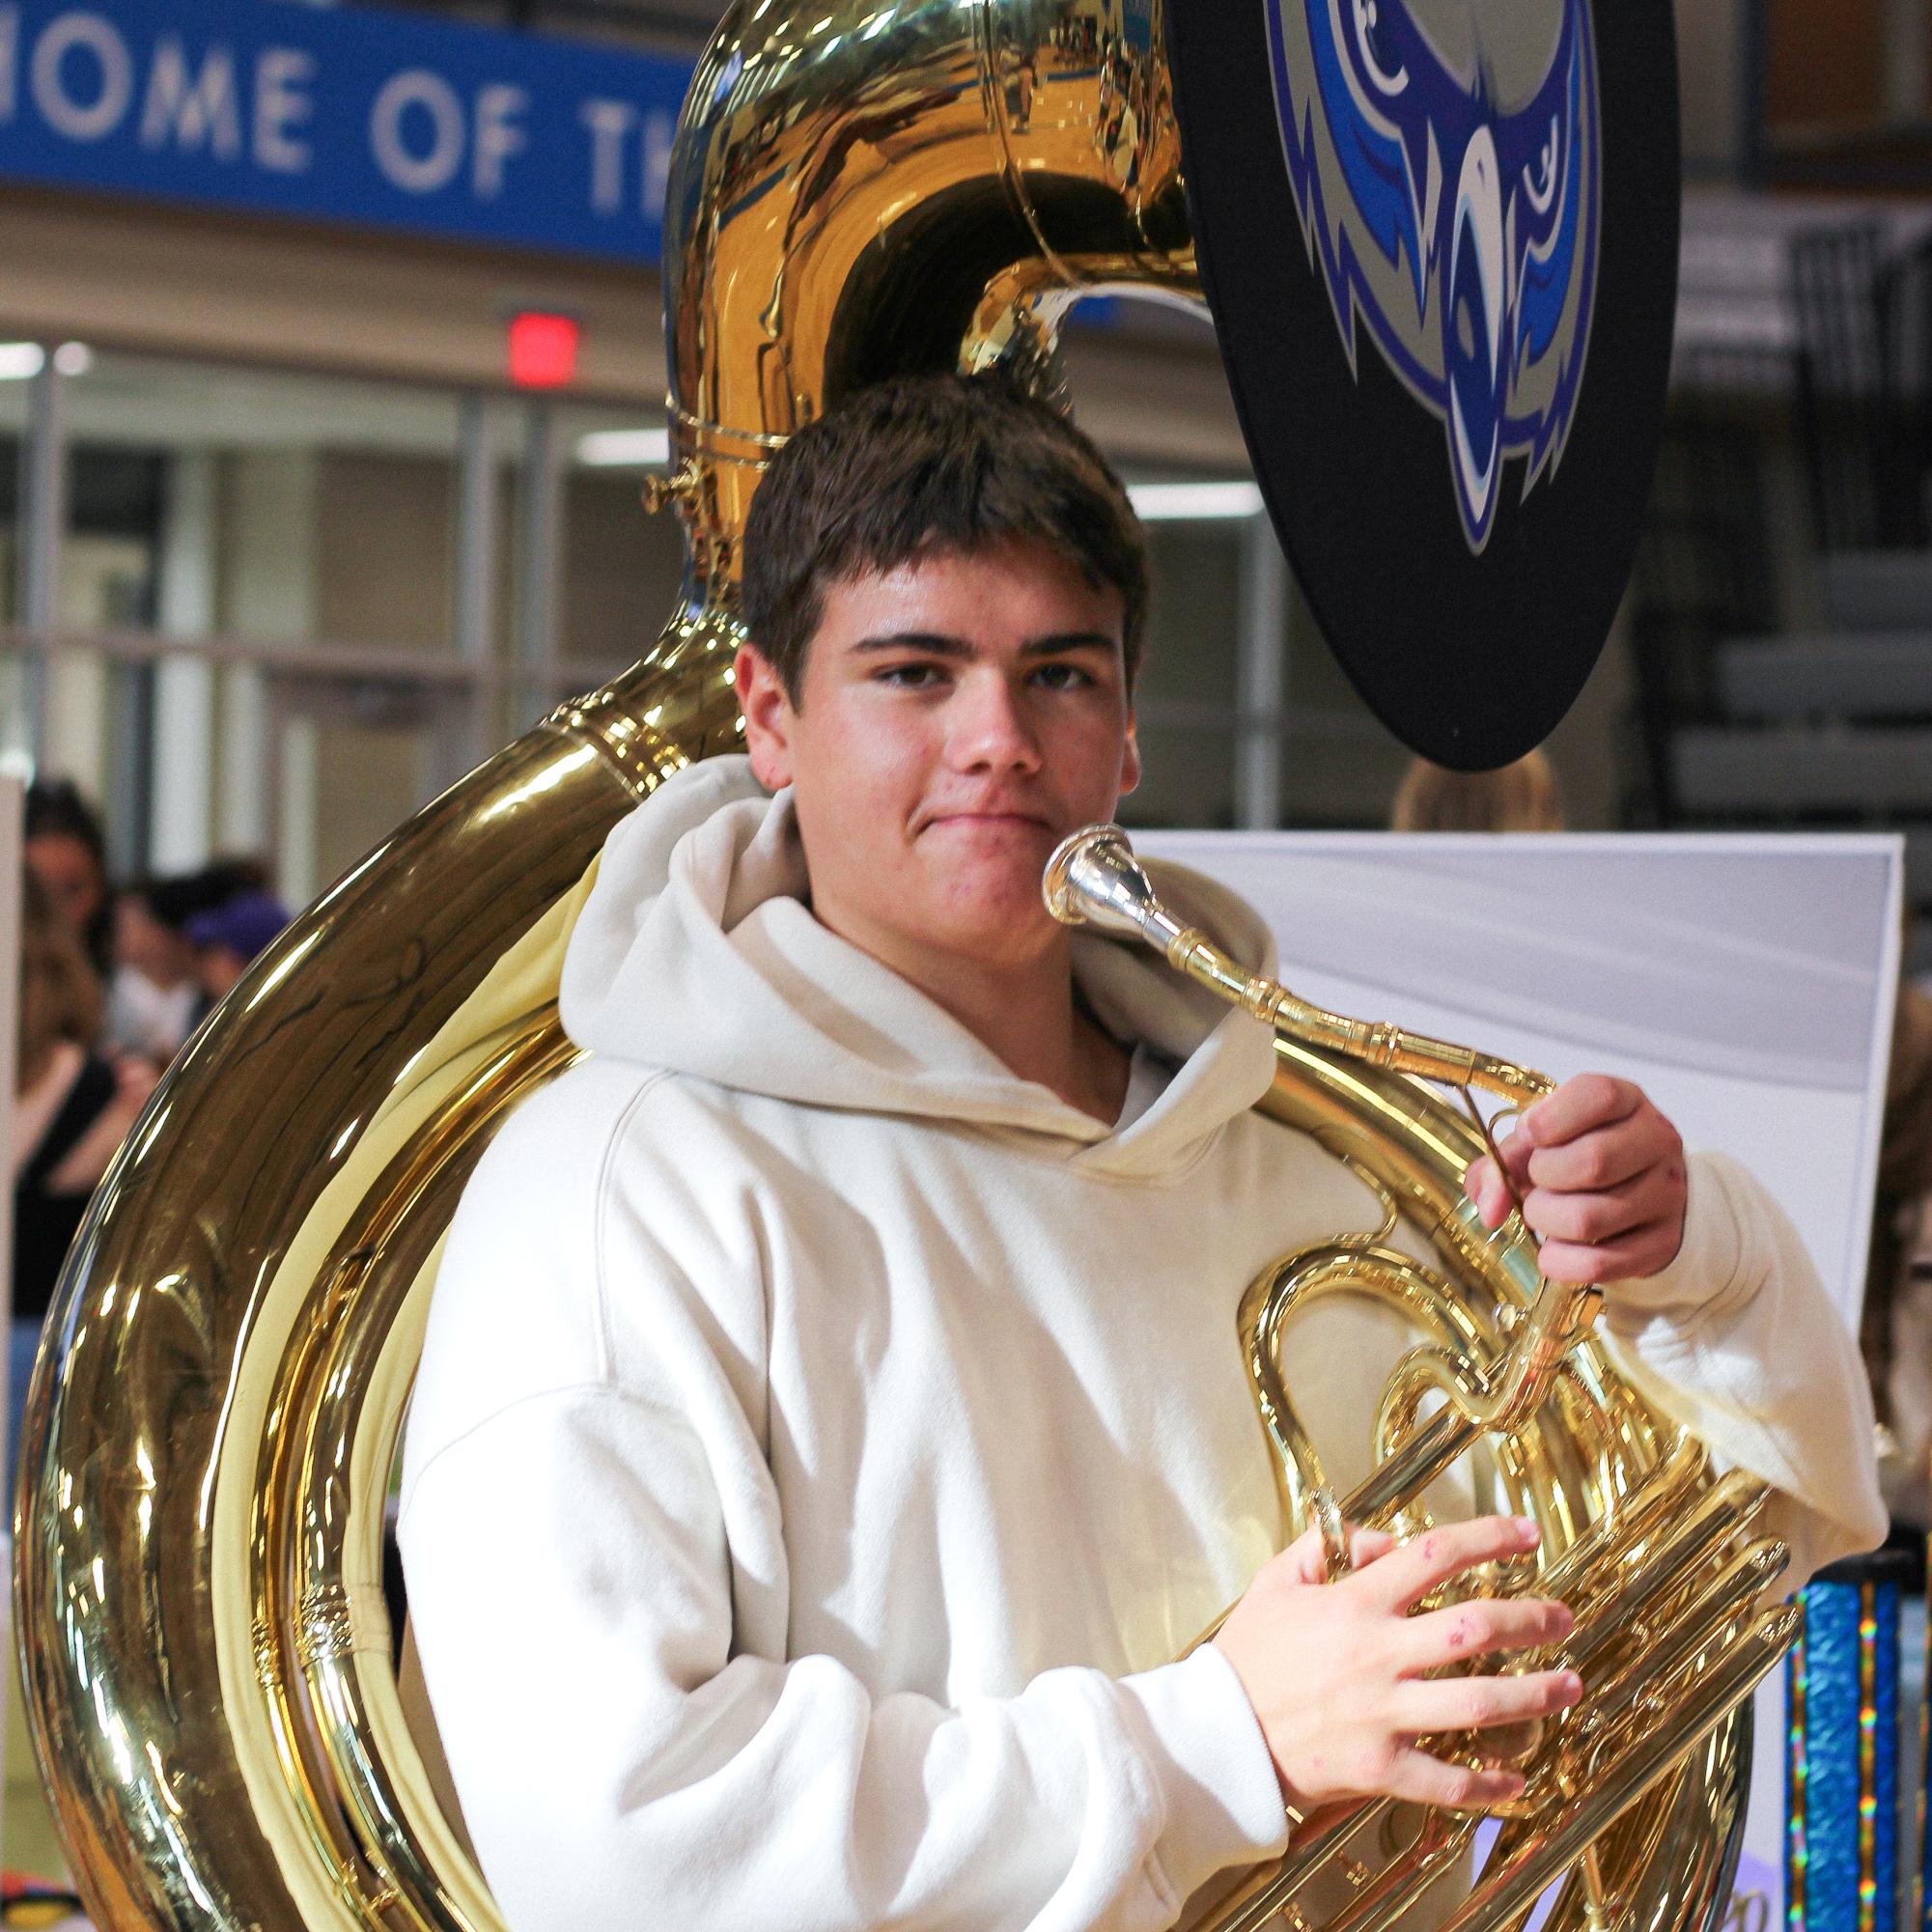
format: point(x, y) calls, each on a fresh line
point(991, 726)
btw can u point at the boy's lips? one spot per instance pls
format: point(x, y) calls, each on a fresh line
point(990, 818)
point(987, 815)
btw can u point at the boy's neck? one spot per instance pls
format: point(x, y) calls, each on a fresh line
point(1025, 1014)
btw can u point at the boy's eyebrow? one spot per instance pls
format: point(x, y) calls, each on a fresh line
point(942, 645)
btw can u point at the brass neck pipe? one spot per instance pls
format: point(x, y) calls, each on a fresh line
point(1094, 879)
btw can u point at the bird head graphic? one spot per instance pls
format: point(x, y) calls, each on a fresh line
point(1445, 161)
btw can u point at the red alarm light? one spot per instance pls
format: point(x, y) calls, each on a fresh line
point(543, 349)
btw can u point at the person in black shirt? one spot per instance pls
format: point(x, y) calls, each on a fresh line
point(71, 1112)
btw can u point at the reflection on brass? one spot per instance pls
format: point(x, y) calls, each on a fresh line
point(1633, 1793)
point(856, 192)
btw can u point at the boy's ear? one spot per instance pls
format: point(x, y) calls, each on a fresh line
point(1130, 756)
point(767, 715)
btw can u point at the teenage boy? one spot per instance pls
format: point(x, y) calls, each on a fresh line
point(831, 1424)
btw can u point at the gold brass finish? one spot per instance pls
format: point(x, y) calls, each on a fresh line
point(1093, 879)
point(858, 189)
point(896, 186)
point(662, 492)
point(1632, 1793)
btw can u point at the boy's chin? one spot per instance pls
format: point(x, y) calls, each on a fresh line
point(992, 886)
point(1009, 926)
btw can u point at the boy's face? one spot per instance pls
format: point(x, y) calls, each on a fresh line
point(957, 717)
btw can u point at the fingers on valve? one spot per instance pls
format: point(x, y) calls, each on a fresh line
point(1422, 1780)
point(1609, 1156)
point(1407, 1576)
point(1486, 1626)
point(1644, 1251)
point(1581, 1103)
point(1480, 1703)
point(1306, 1561)
point(1369, 1546)
point(1603, 1216)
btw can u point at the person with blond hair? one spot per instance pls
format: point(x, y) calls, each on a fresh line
point(1520, 798)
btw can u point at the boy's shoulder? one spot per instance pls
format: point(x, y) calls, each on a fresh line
point(588, 1197)
point(569, 1125)
point(614, 1156)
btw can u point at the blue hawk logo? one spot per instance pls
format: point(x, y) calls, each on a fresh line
point(1445, 161)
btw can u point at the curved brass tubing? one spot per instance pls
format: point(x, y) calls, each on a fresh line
point(1658, 1559)
point(1633, 1794)
point(857, 190)
point(921, 185)
point(206, 1649)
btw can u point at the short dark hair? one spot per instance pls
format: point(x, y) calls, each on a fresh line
point(187, 895)
point(929, 463)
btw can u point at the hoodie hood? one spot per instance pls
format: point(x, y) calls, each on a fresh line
point(697, 952)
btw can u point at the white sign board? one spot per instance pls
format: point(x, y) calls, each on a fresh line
point(1747, 982)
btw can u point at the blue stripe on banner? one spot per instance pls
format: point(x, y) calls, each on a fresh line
point(1829, 1882)
point(1797, 1845)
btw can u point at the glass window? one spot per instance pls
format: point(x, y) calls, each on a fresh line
point(258, 517)
point(621, 568)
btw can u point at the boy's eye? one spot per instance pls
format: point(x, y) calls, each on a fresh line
point(1064, 677)
point(911, 677)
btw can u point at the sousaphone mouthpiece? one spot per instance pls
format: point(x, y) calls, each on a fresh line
point(1093, 879)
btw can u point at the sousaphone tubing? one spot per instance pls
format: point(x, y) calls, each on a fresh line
point(858, 190)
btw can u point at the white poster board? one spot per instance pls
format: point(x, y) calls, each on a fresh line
point(1747, 982)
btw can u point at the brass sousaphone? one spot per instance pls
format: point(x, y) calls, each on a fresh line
point(857, 190)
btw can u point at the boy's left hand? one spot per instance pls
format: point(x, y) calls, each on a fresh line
point(1601, 1173)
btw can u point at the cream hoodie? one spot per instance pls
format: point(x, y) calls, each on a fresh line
point(824, 1437)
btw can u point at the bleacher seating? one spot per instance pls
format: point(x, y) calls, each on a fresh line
point(1769, 707)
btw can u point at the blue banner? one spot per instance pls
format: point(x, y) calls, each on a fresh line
point(343, 114)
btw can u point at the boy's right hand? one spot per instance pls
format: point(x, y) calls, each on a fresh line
point(1336, 1672)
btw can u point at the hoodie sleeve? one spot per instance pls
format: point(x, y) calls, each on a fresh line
point(1738, 1340)
point(597, 1587)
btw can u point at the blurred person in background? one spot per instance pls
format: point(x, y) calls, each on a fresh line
point(1520, 798)
point(228, 938)
point(73, 1109)
point(155, 991)
point(156, 998)
point(67, 852)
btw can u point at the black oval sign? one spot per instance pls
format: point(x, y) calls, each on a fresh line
point(1439, 240)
